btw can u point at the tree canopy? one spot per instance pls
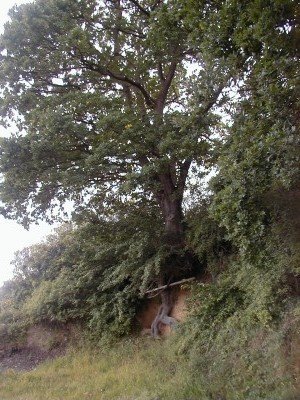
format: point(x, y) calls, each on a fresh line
point(104, 104)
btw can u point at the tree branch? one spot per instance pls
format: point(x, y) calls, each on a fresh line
point(141, 8)
point(163, 93)
point(170, 284)
point(120, 78)
point(214, 98)
point(115, 29)
point(160, 72)
point(184, 171)
point(155, 4)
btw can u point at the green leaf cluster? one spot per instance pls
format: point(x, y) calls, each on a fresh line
point(95, 272)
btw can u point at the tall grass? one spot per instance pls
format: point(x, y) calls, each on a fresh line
point(134, 370)
point(142, 370)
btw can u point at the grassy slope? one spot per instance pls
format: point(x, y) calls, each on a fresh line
point(129, 371)
point(133, 370)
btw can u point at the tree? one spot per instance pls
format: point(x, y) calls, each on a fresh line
point(105, 109)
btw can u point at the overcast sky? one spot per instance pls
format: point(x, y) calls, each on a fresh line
point(14, 237)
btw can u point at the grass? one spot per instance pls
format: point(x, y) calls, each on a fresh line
point(131, 371)
point(143, 369)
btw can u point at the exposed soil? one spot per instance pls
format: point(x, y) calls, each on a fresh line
point(26, 359)
point(43, 342)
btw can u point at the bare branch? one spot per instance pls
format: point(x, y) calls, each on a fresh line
point(170, 284)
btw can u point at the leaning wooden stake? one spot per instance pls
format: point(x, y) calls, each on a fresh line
point(169, 285)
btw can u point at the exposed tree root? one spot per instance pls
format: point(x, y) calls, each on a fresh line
point(162, 317)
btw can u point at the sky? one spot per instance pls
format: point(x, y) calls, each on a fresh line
point(14, 237)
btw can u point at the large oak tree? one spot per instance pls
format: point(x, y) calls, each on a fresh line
point(113, 100)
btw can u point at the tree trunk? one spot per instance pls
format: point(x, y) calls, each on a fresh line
point(170, 200)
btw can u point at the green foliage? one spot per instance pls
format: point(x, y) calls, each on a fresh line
point(208, 239)
point(257, 175)
point(246, 362)
point(103, 104)
point(253, 290)
point(239, 334)
point(95, 272)
point(261, 152)
point(12, 321)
